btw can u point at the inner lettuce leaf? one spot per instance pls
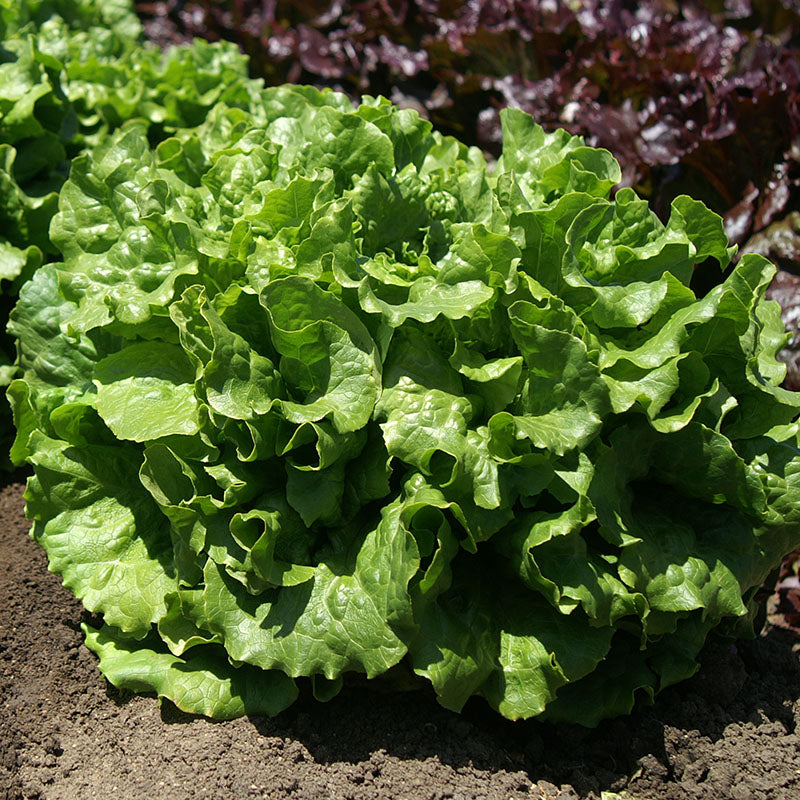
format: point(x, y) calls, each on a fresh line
point(316, 391)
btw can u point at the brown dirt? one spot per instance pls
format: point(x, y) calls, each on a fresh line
point(730, 732)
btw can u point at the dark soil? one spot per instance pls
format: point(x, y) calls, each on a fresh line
point(730, 732)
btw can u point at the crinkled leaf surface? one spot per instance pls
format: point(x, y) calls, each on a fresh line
point(201, 683)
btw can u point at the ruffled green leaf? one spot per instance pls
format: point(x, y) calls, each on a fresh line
point(201, 683)
point(102, 535)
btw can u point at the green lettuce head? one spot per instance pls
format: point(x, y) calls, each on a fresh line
point(315, 391)
point(71, 71)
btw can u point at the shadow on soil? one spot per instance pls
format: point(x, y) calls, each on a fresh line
point(746, 685)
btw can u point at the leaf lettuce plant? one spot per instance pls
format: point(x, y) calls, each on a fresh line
point(314, 391)
point(72, 71)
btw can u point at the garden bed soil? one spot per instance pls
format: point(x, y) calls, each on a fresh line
point(65, 733)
